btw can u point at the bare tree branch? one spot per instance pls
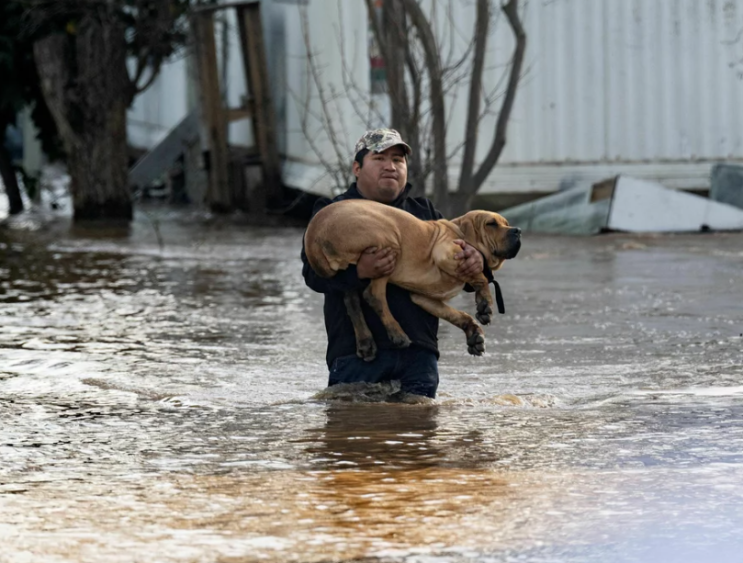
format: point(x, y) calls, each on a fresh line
point(363, 100)
point(473, 109)
point(433, 66)
point(499, 141)
point(154, 73)
point(427, 61)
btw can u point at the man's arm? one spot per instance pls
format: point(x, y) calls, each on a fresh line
point(471, 261)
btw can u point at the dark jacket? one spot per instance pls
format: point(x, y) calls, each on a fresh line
point(420, 326)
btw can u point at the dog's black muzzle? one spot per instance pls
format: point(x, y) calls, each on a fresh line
point(512, 244)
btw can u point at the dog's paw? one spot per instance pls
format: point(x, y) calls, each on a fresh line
point(400, 340)
point(476, 342)
point(484, 313)
point(483, 318)
point(366, 349)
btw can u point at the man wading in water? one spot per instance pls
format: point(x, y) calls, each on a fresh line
point(381, 169)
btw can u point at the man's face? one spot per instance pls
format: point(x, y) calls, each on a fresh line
point(383, 176)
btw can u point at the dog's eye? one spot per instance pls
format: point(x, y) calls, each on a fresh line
point(492, 223)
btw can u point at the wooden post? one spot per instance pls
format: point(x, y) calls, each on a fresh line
point(264, 121)
point(218, 195)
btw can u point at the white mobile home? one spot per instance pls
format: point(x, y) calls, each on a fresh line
point(647, 88)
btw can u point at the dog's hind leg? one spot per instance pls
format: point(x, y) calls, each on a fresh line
point(473, 331)
point(376, 296)
point(366, 348)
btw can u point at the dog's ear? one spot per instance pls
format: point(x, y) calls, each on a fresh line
point(469, 229)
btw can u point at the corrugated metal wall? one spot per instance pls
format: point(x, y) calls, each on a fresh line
point(645, 87)
point(630, 81)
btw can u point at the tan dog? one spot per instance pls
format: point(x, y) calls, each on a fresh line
point(425, 265)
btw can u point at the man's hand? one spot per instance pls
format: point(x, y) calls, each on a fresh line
point(375, 263)
point(470, 260)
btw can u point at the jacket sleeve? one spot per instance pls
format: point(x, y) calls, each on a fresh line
point(344, 280)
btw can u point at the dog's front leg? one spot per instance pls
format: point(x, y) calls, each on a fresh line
point(376, 296)
point(483, 298)
point(366, 348)
point(484, 301)
point(443, 256)
point(473, 331)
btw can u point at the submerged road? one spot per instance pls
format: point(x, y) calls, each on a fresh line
point(162, 399)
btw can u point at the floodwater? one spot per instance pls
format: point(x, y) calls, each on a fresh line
point(162, 399)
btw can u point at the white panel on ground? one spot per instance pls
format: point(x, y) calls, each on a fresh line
point(571, 212)
point(642, 206)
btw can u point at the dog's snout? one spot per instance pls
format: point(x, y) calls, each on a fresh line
point(513, 242)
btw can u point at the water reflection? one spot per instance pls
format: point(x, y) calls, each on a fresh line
point(386, 477)
point(376, 436)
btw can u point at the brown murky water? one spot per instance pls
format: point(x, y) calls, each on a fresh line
point(161, 399)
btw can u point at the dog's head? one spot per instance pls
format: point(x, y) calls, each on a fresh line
point(491, 234)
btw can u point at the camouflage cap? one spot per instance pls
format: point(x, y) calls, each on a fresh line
point(379, 140)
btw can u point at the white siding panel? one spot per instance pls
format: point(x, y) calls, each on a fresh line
point(732, 11)
point(340, 58)
point(609, 86)
point(629, 81)
point(588, 122)
point(661, 85)
point(161, 107)
point(709, 114)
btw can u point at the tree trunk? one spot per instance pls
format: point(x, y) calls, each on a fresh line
point(99, 170)
point(438, 108)
point(87, 89)
point(396, 53)
point(15, 202)
point(401, 68)
point(511, 10)
point(482, 25)
point(459, 204)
